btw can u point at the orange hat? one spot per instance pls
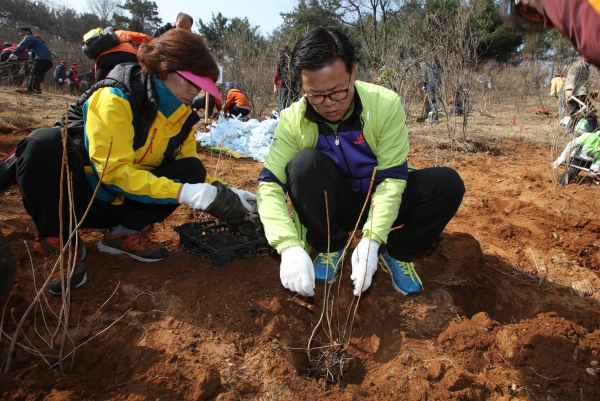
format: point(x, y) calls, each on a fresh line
point(63, 62)
point(74, 65)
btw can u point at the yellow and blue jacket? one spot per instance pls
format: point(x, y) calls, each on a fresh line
point(126, 127)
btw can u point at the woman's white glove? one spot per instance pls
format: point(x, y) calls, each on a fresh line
point(197, 196)
point(248, 199)
point(560, 160)
point(364, 264)
point(297, 272)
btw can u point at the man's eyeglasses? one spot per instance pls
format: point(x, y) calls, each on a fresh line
point(335, 96)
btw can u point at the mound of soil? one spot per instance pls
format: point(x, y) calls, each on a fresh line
point(509, 308)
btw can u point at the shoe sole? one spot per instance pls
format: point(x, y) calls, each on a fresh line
point(388, 271)
point(105, 248)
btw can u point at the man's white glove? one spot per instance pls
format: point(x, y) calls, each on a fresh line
point(197, 196)
point(560, 160)
point(248, 199)
point(364, 264)
point(13, 57)
point(297, 272)
point(60, 80)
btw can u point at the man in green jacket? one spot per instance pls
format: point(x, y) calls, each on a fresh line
point(330, 142)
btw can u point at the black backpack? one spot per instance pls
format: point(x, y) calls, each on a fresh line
point(99, 40)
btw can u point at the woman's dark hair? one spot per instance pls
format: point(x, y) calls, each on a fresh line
point(177, 50)
point(319, 48)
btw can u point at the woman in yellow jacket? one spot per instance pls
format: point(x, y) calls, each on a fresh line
point(134, 132)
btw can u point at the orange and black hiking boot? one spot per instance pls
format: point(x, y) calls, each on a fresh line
point(50, 248)
point(136, 244)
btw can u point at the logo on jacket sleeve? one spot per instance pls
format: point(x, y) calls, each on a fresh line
point(361, 139)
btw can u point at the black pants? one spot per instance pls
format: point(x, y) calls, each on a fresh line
point(38, 174)
point(234, 110)
point(200, 103)
point(37, 73)
point(430, 200)
point(107, 62)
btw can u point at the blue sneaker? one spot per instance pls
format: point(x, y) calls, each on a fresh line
point(404, 276)
point(326, 267)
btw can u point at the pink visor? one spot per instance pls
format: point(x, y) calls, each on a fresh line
point(205, 83)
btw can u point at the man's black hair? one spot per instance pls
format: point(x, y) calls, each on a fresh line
point(181, 15)
point(319, 48)
point(25, 28)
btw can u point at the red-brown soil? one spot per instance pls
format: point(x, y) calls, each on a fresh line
point(497, 319)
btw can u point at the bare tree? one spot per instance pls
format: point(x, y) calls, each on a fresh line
point(370, 18)
point(250, 63)
point(104, 9)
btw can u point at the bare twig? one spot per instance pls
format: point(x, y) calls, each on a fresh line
point(39, 293)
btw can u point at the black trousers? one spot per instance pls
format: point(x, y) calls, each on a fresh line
point(234, 110)
point(200, 103)
point(430, 200)
point(107, 62)
point(37, 73)
point(38, 175)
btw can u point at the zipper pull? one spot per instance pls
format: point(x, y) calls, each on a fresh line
point(337, 139)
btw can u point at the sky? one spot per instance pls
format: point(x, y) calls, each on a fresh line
point(264, 13)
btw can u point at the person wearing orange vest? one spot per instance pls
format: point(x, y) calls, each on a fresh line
point(236, 103)
point(122, 53)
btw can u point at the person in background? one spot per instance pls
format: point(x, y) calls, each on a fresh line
point(576, 95)
point(236, 103)
point(90, 78)
point(183, 21)
point(135, 132)
point(74, 79)
point(431, 82)
point(60, 75)
point(199, 102)
point(122, 53)
point(578, 20)
point(584, 152)
point(325, 150)
point(281, 79)
point(42, 60)
point(556, 91)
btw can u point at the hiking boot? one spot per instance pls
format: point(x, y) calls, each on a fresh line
point(50, 248)
point(404, 276)
point(326, 267)
point(433, 122)
point(136, 244)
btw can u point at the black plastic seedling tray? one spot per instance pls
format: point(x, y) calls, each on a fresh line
point(221, 243)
